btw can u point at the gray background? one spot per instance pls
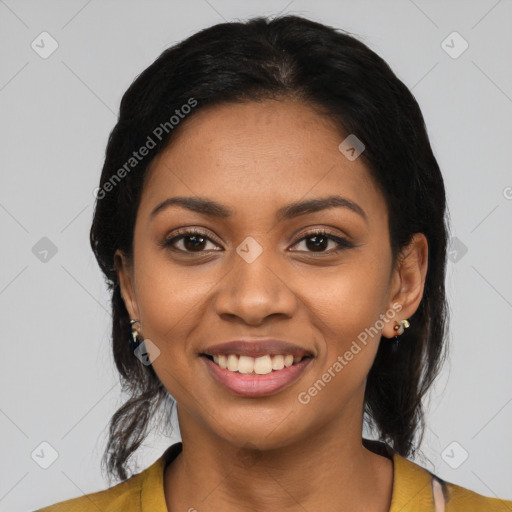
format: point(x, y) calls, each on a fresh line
point(58, 383)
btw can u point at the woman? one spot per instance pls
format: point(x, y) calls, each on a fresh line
point(271, 223)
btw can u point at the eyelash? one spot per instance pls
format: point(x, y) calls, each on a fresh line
point(342, 242)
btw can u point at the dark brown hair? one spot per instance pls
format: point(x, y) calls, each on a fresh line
point(321, 66)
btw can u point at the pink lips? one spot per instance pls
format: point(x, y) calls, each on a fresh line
point(252, 385)
point(256, 385)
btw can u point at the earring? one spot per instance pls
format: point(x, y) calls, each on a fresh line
point(134, 335)
point(399, 328)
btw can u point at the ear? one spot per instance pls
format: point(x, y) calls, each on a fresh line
point(124, 270)
point(408, 281)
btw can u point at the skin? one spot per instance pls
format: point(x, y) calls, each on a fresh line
point(269, 453)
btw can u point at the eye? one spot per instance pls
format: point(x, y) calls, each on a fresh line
point(318, 241)
point(195, 240)
point(192, 240)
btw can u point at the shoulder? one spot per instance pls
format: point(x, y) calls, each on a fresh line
point(124, 496)
point(430, 489)
point(416, 488)
point(461, 499)
point(143, 491)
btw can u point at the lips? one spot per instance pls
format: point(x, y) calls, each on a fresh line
point(256, 368)
point(256, 348)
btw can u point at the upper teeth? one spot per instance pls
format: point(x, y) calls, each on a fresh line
point(260, 365)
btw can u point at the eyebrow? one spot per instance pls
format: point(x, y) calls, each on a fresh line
point(214, 209)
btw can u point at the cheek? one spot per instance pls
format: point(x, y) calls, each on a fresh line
point(350, 297)
point(171, 302)
point(346, 308)
point(170, 308)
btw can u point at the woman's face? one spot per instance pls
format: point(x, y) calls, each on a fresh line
point(258, 271)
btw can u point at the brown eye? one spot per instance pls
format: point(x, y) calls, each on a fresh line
point(191, 241)
point(318, 241)
point(194, 242)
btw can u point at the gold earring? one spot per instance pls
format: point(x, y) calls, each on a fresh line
point(134, 338)
point(400, 327)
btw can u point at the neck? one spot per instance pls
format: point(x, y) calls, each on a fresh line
point(331, 470)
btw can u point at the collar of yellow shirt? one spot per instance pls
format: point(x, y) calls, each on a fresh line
point(413, 487)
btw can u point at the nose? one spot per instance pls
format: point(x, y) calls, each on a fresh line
point(253, 291)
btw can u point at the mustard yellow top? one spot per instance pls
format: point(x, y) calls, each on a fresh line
point(414, 490)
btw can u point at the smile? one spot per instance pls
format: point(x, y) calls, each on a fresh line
point(255, 365)
point(256, 376)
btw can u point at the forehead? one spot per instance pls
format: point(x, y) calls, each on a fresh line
point(257, 156)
